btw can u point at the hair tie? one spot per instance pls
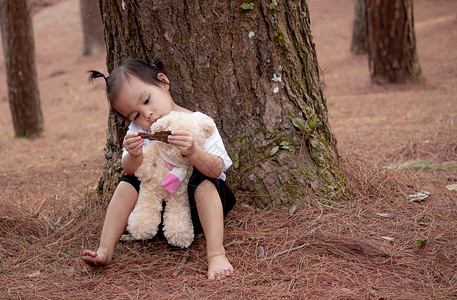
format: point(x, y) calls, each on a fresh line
point(104, 76)
point(154, 66)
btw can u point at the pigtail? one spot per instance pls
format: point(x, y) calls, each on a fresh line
point(96, 74)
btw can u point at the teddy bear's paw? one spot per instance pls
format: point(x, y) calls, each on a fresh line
point(141, 230)
point(179, 239)
point(141, 233)
point(179, 242)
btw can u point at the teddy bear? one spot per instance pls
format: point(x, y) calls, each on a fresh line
point(164, 175)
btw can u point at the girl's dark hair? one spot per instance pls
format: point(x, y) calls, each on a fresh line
point(131, 67)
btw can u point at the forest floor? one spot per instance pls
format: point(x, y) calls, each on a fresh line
point(395, 141)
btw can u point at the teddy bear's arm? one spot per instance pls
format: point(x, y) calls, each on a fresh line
point(150, 161)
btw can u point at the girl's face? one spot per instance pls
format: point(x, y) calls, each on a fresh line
point(144, 103)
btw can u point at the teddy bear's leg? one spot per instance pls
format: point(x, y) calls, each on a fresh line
point(177, 222)
point(145, 218)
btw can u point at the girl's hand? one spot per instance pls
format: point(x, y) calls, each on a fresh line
point(133, 143)
point(184, 141)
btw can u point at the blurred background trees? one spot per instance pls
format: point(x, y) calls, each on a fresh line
point(19, 51)
point(359, 41)
point(92, 27)
point(392, 53)
point(385, 30)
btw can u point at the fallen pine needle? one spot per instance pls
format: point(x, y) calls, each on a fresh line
point(284, 252)
point(181, 263)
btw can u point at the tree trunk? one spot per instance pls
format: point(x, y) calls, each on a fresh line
point(253, 68)
point(92, 27)
point(19, 51)
point(359, 42)
point(392, 51)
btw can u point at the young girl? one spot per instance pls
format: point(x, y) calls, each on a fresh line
point(140, 93)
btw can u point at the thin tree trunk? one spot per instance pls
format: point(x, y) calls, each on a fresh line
point(92, 27)
point(253, 68)
point(19, 51)
point(392, 51)
point(359, 42)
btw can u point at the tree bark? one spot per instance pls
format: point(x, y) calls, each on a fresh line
point(359, 42)
point(392, 53)
point(19, 51)
point(253, 68)
point(92, 27)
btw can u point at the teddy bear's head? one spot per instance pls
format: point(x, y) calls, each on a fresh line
point(201, 128)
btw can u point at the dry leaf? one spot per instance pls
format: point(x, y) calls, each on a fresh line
point(417, 197)
point(384, 215)
point(452, 187)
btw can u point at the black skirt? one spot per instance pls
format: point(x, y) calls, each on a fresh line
point(225, 194)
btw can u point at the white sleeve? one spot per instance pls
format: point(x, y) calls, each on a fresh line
point(214, 145)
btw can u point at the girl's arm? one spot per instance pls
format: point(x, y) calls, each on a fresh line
point(133, 143)
point(131, 163)
point(208, 164)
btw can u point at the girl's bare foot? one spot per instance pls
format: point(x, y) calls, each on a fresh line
point(218, 266)
point(100, 258)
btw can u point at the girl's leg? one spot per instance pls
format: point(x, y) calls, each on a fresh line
point(122, 203)
point(211, 217)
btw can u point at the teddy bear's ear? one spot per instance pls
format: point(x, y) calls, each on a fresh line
point(208, 126)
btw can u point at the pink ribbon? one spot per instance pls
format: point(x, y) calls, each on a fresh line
point(171, 182)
